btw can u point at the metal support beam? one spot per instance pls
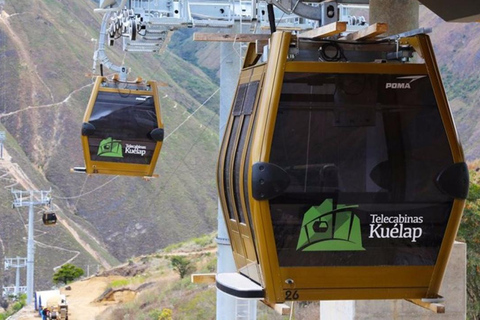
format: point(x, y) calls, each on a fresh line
point(432, 306)
point(230, 37)
point(15, 263)
point(203, 278)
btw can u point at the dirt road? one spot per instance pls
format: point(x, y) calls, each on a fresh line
point(80, 300)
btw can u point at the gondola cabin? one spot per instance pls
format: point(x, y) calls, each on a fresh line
point(340, 174)
point(122, 129)
point(49, 218)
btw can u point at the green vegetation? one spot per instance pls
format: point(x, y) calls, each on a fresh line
point(119, 283)
point(170, 298)
point(469, 233)
point(194, 244)
point(165, 314)
point(126, 216)
point(182, 265)
point(136, 280)
point(67, 273)
point(188, 50)
point(14, 307)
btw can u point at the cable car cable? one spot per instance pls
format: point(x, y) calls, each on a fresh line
point(86, 193)
point(181, 124)
point(188, 152)
point(81, 190)
point(21, 218)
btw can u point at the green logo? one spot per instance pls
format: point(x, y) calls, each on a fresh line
point(110, 148)
point(326, 229)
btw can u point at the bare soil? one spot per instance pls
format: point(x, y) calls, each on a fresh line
point(81, 299)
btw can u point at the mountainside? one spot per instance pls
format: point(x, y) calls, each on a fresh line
point(457, 48)
point(46, 50)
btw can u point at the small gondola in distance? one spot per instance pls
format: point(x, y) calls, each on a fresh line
point(122, 131)
point(340, 175)
point(49, 218)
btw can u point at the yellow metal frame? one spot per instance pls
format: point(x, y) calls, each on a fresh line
point(240, 234)
point(115, 168)
point(324, 283)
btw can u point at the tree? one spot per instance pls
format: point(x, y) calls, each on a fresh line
point(468, 233)
point(182, 265)
point(67, 273)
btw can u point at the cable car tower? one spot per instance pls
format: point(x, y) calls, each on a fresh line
point(16, 263)
point(30, 199)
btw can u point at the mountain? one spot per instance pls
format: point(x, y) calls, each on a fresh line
point(457, 48)
point(46, 50)
point(46, 53)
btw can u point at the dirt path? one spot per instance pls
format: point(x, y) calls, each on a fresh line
point(24, 57)
point(85, 245)
point(80, 299)
point(82, 295)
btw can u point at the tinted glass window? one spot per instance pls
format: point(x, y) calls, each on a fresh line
point(227, 168)
point(362, 153)
point(242, 108)
point(122, 124)
point(237, 167)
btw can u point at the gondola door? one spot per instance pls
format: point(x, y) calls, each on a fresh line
point(232, 176)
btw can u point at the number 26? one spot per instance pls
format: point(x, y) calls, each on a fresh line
point(291, 295)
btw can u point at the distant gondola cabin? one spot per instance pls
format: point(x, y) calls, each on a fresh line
point(340, 174)
point(49, 218)
point(122, 131)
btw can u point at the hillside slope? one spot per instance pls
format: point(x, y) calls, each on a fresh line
point(46, 50)
point(457, 47)
point(66, 242)
point(147, 287)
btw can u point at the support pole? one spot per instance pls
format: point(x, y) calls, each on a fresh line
point(17, 279)
point(30, 252)
point(229, 67)
point(228, 307)
point(2, 138)
point(400, 15)
point(15, 263)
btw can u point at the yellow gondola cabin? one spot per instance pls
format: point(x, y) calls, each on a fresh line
point(340, 174)
point(122, 131)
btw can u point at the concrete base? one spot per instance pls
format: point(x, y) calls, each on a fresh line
point(401, 15)
point(454, 288)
